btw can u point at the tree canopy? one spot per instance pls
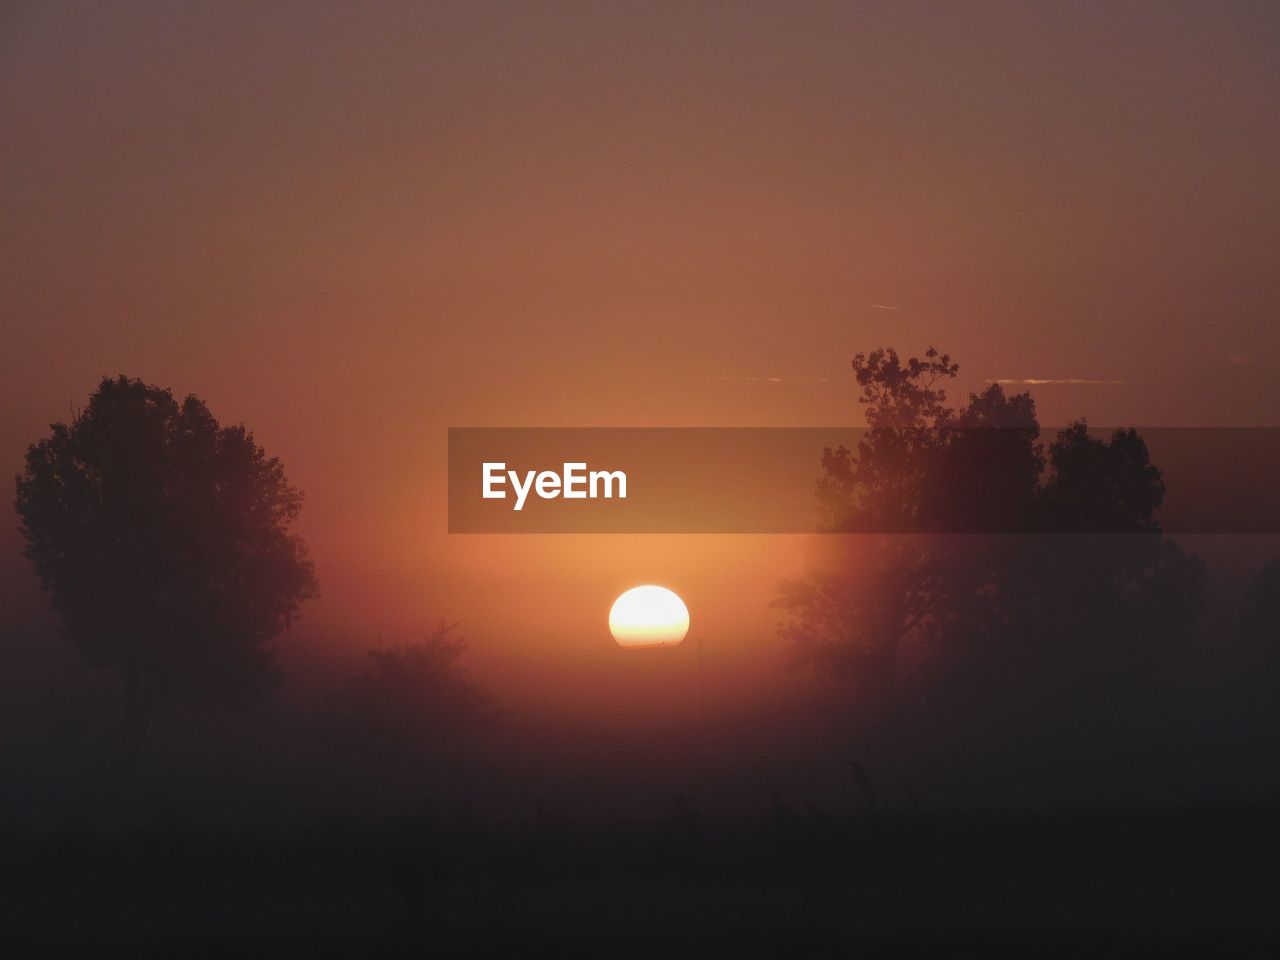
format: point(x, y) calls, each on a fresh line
point(925, 471)
point(163, 540)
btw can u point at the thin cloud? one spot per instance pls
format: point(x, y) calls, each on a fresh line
point(773, 379)
point(1051, 381)
point(885, 306)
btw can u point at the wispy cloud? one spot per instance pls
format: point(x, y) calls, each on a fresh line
point(885, 306)
point(1050, 381)
point(773, 379)
point(1247, 362)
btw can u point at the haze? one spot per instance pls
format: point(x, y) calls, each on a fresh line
point(353, 228)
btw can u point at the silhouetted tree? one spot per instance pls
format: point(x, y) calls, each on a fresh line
point(921, 466)
point(1097, 487)
point(1115, 586)
point(163, 541)
point(923, 469)
point(414, 695)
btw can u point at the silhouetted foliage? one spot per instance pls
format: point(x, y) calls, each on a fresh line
point(162, 539)
point(414, 694)
point(925, 469)
point(1097, 487)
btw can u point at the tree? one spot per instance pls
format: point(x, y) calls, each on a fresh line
point(1098, 487)
point(921, 466)
point(415, 695)
point(924, 469)
point(163, 540)
point(1116, 587)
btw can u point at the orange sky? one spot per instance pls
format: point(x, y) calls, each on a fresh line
point(354, 228)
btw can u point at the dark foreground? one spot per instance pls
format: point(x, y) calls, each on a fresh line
point(795, 882)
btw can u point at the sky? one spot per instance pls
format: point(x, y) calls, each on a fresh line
point(351, 227)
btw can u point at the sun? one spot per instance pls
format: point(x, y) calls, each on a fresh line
point(649, 616)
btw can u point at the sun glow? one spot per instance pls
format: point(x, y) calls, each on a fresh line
point(648, 616)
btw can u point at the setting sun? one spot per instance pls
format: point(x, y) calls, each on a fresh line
point(648, 616)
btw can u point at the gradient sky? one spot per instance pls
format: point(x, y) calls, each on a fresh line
point(353, 226)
